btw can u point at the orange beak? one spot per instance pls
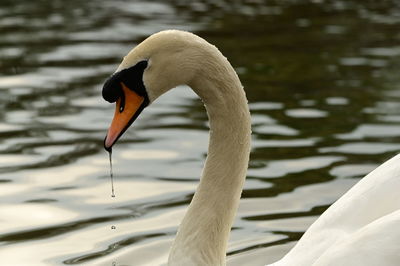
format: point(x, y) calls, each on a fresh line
point(126, 111)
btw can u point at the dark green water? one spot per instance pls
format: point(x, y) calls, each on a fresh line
point(324, 91)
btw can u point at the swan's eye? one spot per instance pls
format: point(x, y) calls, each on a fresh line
point(132, 77)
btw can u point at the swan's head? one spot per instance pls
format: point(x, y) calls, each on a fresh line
point(158, 64)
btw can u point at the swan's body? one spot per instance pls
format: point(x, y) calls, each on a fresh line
point(361, 228)
point(171, 58)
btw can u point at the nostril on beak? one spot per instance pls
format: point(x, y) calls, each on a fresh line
point(122, 102)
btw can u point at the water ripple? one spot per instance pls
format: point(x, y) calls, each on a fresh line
point(324, 98)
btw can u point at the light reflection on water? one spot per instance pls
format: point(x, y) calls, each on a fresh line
point(323, 88)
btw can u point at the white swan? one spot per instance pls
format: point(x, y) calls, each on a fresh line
point(361, 228)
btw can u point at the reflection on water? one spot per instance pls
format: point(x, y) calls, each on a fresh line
point(323, 88)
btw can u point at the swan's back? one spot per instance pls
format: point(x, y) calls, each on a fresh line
point(366, 220)
point(375, 244)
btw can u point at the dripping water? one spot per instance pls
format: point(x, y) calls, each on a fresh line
point(112, 179)
point(111, 173)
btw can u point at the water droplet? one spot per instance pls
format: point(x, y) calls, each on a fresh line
point(111, 174)
point(113, 227)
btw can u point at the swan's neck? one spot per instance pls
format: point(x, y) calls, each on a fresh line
point(203, 234)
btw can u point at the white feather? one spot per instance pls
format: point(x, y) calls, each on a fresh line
point(369, 211)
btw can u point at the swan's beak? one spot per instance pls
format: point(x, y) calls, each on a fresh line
point(127, 109)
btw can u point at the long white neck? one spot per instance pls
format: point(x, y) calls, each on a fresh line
point(203, 234)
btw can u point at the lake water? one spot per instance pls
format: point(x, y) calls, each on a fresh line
point(323, 83)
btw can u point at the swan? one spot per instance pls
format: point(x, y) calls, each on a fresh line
point(361, 228)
